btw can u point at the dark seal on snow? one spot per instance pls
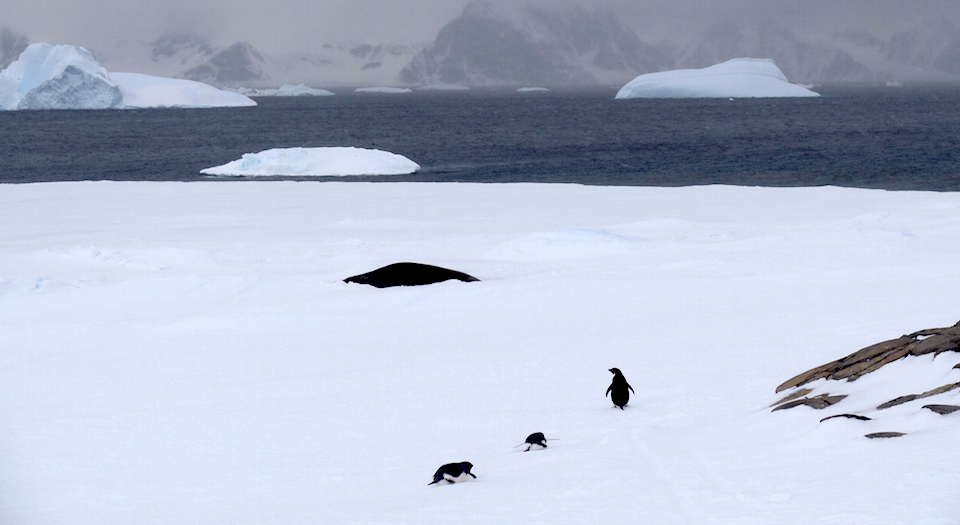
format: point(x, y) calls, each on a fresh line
point(619, 390)
point(408, 274)
point(453, 472)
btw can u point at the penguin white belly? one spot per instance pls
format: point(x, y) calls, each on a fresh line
point(456, 479)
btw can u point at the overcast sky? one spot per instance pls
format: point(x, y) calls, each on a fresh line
point(299, 25)
point(276, 24)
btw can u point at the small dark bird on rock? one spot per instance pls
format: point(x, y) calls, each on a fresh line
point(537, 439)
point(453, 472)
point(619, 390)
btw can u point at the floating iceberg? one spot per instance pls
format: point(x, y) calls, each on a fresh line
point(147, 91)
point(317, 162)
point(532, 89)
point(57, 77)
point(382, 89)
point(443, 87)
point(737, 78)
point(287, 90)
point(69, 77)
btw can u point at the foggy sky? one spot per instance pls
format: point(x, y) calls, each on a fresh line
point(301, 25)
point(274, 25)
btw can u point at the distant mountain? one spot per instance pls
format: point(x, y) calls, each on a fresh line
point(932, 49)
point(533, 44)
point(238, 65)
point(243, 65)
point(528, 42)
point(11, 45)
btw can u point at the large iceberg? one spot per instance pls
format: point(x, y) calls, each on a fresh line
point(317, 162)
point(69, 77)
point(735, 78)
point(148, 91)
point(57, 77)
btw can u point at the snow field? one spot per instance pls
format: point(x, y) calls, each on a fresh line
point(187, 353)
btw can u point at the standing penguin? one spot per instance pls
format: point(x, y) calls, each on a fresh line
point(619, 390)
point(453, 472)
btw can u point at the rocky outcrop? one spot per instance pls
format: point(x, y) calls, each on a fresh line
point(933, 341)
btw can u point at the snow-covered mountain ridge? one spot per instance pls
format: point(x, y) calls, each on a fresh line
point(534, 42)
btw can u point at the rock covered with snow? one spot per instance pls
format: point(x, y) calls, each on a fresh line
point(735, 78)
point(57, 77)
point(69, 77)
point(911, 369)
point(317, 162)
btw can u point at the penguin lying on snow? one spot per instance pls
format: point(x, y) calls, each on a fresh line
point(618, 389)
point(537, 439)
point(453, 472)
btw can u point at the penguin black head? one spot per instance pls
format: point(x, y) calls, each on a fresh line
point(616, 371)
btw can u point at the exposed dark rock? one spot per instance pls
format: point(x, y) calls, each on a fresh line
point(866, 360)
point(879, 435)
point(791, 397)
point(408, 274)
point(942, 409)
point(903, 399)
point(848, 416)
point(818, 402)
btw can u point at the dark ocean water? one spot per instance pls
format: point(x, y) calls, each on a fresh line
point(872, 137)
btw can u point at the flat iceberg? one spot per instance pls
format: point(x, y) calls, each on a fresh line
point(736, 78)
point(443, 87)
point(317, 162)
point(147, 91)
point(287, 90)
point(382, 89)
point(57, 77)
point(49, 76)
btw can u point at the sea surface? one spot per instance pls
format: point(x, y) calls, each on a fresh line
point(905, 138)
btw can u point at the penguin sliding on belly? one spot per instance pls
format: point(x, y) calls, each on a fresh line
point(453, 473)
point(619, 390)
point(535, 441)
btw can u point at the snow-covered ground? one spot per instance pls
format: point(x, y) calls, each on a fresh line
point(325, 161)
point(187, 353)
point(738, 77)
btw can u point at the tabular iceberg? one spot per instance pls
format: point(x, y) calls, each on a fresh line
point(286, 90)
point(147, 91)
point(736, 78)
point(317, 162)
point(69, 77)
